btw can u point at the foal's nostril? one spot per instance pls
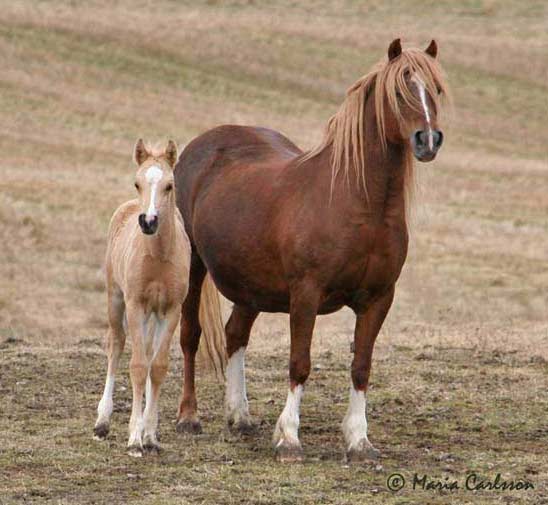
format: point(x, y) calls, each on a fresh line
point(148, 227)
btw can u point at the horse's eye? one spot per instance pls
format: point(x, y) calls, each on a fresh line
point(137, 187)
point(169, 187)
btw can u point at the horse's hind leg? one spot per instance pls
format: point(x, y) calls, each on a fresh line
point(187, 420)
point(237, 332)
point(158, 369)
point(115, 345)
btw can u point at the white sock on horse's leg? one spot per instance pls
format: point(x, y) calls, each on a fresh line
point(106, 405)
point(150, 415)
point(138, 373)
point(236, 406)
point(354, 428)
point(287, 427)
point(354, 425)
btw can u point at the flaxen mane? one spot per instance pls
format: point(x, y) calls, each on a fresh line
point(346, 129)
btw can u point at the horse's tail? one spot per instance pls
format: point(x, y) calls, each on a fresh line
point(212, 350)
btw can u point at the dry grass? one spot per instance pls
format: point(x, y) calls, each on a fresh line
point(460, 366)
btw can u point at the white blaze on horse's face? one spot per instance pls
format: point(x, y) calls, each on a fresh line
point(422, 95)
point(153, 176)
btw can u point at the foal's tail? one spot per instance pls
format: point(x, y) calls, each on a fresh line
point(212, 350)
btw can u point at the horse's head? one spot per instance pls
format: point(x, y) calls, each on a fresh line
point(411, 87)
point(154, 183)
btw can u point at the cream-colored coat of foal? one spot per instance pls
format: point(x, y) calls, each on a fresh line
point(147, 281)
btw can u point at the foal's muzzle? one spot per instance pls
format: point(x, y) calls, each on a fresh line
point(426, 144)
point(149, 226)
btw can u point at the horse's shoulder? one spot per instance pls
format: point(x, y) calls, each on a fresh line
point(122, 214)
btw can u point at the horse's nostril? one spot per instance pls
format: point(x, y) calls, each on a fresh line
point(420, 138)
point(438, 138)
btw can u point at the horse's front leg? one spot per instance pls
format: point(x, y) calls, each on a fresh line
point(158, 369)
point(303, 310)
point(354, 426)
point(138, 371)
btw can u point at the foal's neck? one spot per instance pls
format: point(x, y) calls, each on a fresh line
point(160, 245)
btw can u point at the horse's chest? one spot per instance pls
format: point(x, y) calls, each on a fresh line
point(377, 267)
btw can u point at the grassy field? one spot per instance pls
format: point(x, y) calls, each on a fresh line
point(460, 374)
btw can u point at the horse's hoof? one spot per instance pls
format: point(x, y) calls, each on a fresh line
point(192, 427)
point(243, 427)
point(152, 448)
point(362, 452)
point(289, 453)
point(100, 431)
point(135, 451)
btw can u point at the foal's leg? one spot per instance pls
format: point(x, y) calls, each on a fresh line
point(158, 369)
point(237, 332)
point(187, 420)
point(354, 426)
point(115, 345)
point(138, 370)
point(303, 309)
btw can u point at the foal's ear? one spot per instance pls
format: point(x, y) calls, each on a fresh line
point(171, 153)
point(140, 153)
point(394, 50)
point(432, 49)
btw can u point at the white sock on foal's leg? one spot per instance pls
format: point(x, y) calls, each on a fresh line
point(286, 434)
point(236, 405)
point(104, 409)
point(354, 427)
point(150, 416)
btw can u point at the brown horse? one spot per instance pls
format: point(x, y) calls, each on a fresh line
point(306, 234)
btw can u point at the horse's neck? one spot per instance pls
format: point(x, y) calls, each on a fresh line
point(383, 197)
point(160, 245)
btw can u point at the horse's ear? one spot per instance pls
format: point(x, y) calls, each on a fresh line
point(432, 49)
point(171, 153)
point(140, 153)
point(394, 50)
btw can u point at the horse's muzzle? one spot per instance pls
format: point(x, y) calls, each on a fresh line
point(426, 144)
point(148, 227)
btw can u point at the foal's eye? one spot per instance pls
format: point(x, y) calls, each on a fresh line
point(169, 187)
point(137, 187)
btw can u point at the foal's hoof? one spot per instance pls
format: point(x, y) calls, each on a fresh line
point(187, 426)
point(289, 453)
point(243, 427)
point(100, 431)
point(152, 448)
point(135, 451)
point(363, 451)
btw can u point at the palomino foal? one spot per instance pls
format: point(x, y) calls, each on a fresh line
point(147, 269)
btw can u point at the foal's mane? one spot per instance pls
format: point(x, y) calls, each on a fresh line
point(346, 129)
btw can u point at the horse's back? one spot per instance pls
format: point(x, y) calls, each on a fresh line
point(224, 146)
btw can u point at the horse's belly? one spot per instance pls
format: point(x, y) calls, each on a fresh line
point(250, 293)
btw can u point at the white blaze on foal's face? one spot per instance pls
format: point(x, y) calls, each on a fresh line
point(153, 176)
point(154, 184)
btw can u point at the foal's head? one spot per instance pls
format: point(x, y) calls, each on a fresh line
point(154, 183)
point(407, 99)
